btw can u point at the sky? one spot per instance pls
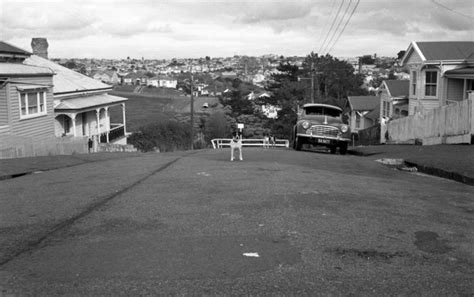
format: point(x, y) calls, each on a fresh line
point(166, 29)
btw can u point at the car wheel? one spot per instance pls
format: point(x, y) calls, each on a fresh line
point(298, 144)
point(343, 148)
point(333, 149)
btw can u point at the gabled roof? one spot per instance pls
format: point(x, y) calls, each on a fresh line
point(363, 103)
point(397, 88)
point(66, 80)
point(441, 50)
point(7, 48)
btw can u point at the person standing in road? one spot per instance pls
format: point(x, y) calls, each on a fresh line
point(272, 140)
point(265, 140)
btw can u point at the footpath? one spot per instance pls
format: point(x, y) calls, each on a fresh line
point(454, 162)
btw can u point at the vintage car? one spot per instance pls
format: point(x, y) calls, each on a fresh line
point(321, 124)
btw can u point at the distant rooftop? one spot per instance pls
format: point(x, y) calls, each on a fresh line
point(363, 103)
point(398, 88)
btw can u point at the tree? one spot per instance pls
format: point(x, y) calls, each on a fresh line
point(149, 74)
point(367, 60)
point(334, 80)
point(216, 126)
point(400, 54)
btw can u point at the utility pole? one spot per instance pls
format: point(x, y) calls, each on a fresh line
point(312, 82)
point(192, 112)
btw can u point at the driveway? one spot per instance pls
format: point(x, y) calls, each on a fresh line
point(280, 222)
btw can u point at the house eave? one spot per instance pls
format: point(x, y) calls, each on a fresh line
point(62, 95)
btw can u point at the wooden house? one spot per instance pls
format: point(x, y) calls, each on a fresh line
point(440, 73)
point(361, 111)
point(40, 99)
point(26, 98)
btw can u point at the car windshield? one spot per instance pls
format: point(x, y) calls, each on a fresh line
point(322, 110)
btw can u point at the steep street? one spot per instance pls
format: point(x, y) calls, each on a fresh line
point(194, 223)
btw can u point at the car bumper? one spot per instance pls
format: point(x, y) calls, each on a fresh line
point(323, 140)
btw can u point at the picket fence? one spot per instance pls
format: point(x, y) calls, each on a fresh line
point(29, 147)
point(449, 124)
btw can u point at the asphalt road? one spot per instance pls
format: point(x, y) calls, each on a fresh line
point(279, 223)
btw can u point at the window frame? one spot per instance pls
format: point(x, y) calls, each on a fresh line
point(413, 82)
point(431, 84)
point(41, 103)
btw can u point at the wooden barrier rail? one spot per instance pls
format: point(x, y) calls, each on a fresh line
point(225, 142)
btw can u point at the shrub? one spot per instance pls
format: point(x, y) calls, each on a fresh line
point(166, 136)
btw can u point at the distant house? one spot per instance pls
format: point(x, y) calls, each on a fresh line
point(135, 78)
point(270, 111)
point(131, 78)
point(440, 73)
point(107, 76)
point(168, 82)
point(394, 98)
point(44, 99)
point(364, 111)
point(229, 75)
point(153, 81)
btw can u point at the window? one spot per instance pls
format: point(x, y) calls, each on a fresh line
point(413, 82)
point(431, 83)
point(32, 103)
point(469, 88)
point(386, 109)
point(357, 120)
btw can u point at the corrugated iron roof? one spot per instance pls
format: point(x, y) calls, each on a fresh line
point(86, 102)
point(66, 80)
point(446, 50)
point(7, 69)
point(363, 103)
point(398, 88)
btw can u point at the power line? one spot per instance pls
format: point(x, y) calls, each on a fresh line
point(337, 27)
point(345, 25)
point(326, 25)
point(332, 25)
point(452, 10)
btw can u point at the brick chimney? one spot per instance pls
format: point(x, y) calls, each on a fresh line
point(40, 47)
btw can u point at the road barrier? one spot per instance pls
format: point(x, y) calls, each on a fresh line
point(225, 142)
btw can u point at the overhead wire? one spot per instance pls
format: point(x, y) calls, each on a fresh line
point(326, 25)
point(345, 25)
point(332, 26)
point(337, 27)
point(452, 10)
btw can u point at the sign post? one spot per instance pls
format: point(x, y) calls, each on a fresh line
point(240, 127)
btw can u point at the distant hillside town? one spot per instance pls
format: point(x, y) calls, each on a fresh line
point(255, 70)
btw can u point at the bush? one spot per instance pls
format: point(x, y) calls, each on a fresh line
point(166, 136)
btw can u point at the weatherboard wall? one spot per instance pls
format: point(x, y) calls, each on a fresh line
point(37, 127)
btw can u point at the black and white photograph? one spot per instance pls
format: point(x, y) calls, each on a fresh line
point(236, 148)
